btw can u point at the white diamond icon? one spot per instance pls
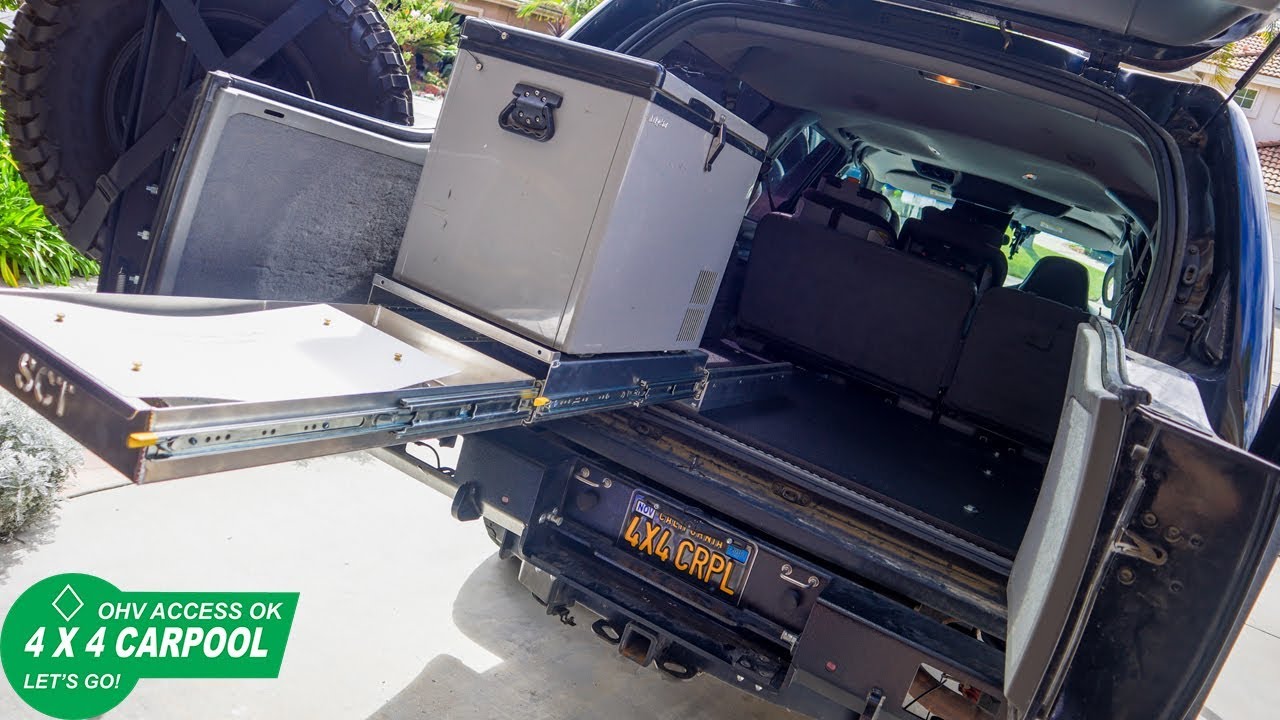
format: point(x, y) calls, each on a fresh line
point(68, 599)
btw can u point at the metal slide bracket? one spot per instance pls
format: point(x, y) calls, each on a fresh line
point(574, 385)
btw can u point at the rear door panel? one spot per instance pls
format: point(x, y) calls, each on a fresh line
point(1149, 544)
point(1158, 631)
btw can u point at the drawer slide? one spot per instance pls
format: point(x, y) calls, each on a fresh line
point(165, 387)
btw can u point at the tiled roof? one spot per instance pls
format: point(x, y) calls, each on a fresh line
point(1244, 52)
point(1269, 158)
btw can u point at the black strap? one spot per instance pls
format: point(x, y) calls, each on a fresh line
point(195, 32)
point(158, 138)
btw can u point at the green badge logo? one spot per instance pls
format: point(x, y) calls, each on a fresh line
point(73, 646)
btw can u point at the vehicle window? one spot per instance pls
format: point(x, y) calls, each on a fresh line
point(795, 152)
point(790, 170)
point(909, 205)
point(1043, 245)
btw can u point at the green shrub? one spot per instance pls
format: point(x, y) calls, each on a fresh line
point(30, 245)
point(35, 461)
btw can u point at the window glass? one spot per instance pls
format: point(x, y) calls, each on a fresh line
point(789, 168)
point(1245, 98)
point(909, 205)
point(794, 153)
point(1043, 245)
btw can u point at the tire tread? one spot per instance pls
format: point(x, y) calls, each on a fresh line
point(24, 94)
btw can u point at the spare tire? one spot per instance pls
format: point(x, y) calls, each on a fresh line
point(70, 68)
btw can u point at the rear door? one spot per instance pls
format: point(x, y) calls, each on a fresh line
point(1148, 545)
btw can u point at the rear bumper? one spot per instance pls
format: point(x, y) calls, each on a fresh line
point(821, 645)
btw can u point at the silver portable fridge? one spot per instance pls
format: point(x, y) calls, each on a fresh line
point(584, 199)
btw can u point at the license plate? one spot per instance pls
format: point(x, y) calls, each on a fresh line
point(697, 551)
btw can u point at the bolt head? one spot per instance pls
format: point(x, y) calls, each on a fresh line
point(1126, 576)
point(1172, 534)
point(1149, 519)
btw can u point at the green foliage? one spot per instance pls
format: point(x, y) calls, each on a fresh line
point(423, 26)
point(8, 5)
point(35, 461)
point(1220, 61)
point(560, 15)
point(30, 245)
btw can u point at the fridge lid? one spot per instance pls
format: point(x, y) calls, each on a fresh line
point(612, 70)
point(631, 75)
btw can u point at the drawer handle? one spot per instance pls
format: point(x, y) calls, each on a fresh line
point(531, 112)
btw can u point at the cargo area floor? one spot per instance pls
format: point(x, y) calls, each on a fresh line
point(981, 492)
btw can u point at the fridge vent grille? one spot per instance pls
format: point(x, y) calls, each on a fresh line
point(704, 287)
point(692, 325)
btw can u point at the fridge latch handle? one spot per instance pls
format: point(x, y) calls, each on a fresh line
point(531, 112)
point(717, 143)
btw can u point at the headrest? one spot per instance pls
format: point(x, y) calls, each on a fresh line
point(819, 208)
point(1059, 279)
point(851, 192)
point(956, 229)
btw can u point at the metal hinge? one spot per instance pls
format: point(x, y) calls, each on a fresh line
point(1135, 546)
point(1102, 68)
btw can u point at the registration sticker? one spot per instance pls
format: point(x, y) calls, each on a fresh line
point(701, 553)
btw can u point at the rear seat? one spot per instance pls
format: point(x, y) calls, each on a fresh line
point(1016, 358)
point(892, 316)
point(850, 209)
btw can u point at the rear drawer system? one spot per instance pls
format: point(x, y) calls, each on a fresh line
point(791, 630)
point(168, 387)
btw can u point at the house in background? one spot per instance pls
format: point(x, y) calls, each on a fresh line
point(1260, 101)
point(503, 11)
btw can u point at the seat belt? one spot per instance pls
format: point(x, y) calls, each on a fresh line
point(134, 161)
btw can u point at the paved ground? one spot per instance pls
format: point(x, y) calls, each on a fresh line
point(426, 110)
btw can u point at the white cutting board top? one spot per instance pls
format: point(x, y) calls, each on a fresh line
point(285, 354)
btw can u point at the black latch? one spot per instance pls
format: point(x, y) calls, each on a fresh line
point(531, 112)
point(717, 144)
